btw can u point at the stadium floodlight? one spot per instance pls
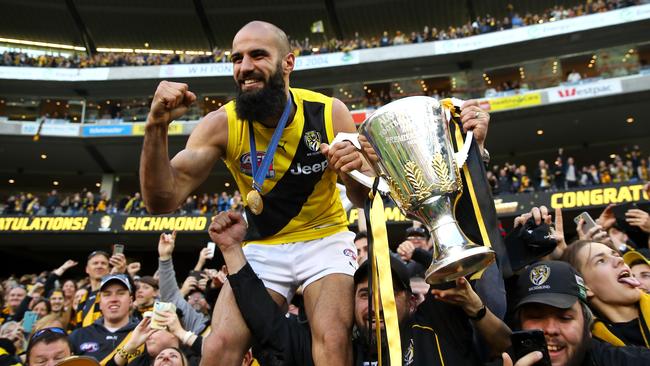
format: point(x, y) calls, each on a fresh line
point(42, 44)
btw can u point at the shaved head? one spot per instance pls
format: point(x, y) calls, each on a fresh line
point(281, 39)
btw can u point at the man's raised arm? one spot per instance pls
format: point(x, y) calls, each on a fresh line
point(164, 183)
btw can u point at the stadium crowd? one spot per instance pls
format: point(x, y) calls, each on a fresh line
point(565, 173)
point(600, 282)
point(87, 203)
point(480, 25)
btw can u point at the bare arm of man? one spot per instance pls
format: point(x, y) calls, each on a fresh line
point(344, 157)
point(164, 183)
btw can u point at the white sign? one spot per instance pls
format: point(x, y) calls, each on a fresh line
point(53, 73)
point(596, 89)
point(30, 128)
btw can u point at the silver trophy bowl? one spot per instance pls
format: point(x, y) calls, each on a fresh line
point(415, 156)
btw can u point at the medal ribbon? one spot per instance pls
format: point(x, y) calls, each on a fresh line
point(259, 172)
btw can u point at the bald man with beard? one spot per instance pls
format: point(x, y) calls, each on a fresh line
point(300, 237)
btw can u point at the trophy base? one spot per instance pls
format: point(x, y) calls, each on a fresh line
point(459, 264)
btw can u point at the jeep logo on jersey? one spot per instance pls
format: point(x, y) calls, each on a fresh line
point(246, 167)
point(89, 347)
point(312, 140)
point(308, 169)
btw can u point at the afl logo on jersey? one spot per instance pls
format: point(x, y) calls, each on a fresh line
point(312, 140)
point(246, 167)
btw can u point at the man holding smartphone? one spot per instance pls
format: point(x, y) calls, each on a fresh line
point(552, 297)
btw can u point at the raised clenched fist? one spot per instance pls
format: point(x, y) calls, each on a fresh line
point(171, 101)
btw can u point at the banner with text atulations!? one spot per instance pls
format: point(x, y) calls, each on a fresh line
point(507, 206)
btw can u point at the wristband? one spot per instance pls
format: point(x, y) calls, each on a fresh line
point(480, 315)
point(127, 356)
point(187, 337)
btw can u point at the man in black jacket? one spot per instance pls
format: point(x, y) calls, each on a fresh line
point(434, 333)
point(108, 334)
point(552, 297)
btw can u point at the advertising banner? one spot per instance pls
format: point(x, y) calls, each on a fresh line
point(567, 93)
point(175, 128)
point(63, 129)
point(107, 130)
point(512, 102)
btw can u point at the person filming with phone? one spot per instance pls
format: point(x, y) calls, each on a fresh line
point(552, 298)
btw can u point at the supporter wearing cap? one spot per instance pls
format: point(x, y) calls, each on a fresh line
point(640, 267)
point(47, 347)
point(416, 250)
point(145, 295)
point(622, 310)
point(108, 334)
point(551, 296)
point(97, 266)
point(434, 333)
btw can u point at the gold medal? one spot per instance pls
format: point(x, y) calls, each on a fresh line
point(255, 202)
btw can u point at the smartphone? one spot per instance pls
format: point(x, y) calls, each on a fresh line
point(196, 274)
point(118, 249)
point(29, 319)
point(589, 222)
point(527, 341)
point(211, 246)
point(159, 307)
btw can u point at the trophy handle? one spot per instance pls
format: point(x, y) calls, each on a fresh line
point(366, 180)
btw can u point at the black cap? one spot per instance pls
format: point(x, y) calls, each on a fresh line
point(417, 231)
point(120, 278)
point(398, 268)
point(552, 283)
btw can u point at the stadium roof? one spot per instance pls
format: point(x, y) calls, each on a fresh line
point(203, 24)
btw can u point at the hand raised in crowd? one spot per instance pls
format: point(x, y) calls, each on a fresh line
point(133, 268)
point(170, 101)
point(528, 360)
point(539, 214)
point(557, 233)
point(640, 218)
point(463, 295)
point(139, 335)
point(203, 282)
point(166, 245)
point(405, 250)
point(218, 277)
point(170, 320)
point(118, 262)
point(607, 218)
point(203, 257)
point(596, 233)
point(64, 267)
point(190, 283)
point(475, 119)
point(227, 230)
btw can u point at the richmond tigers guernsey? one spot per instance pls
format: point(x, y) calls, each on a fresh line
point(301, 201)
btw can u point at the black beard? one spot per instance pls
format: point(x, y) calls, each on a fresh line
point(263, 104)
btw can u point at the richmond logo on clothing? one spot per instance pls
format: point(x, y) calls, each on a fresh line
point(246, 167)
point(312, 140)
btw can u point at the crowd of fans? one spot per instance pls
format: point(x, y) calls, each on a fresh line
point(564, 173)
point(307, 46)
point(87, 202)
point(593, 299)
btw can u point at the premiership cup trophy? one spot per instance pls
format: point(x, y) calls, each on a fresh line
point(418, 166)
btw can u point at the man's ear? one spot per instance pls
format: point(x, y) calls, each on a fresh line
point(289, 63)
